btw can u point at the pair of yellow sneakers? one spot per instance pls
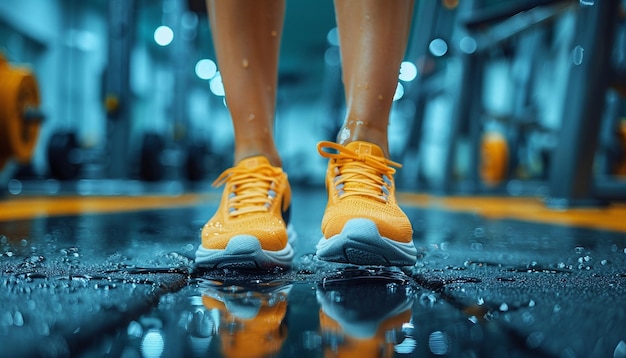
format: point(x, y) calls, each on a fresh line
point(362, 224)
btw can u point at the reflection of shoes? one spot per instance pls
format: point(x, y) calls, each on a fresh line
point(249, 229)
point(251, 323)
point(363, 320)
point(363, 224)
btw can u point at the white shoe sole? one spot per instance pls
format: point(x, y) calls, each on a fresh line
point(245, 252)
point(360, 243)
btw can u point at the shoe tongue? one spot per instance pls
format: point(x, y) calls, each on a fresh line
point(365, 148)
point(253, 162)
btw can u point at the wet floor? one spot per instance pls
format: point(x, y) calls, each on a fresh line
point(122, 284)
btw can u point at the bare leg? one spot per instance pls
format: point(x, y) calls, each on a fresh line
point(246, 34)
point(373, 35)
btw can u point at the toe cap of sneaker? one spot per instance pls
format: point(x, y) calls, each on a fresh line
point(272, 235)
point(390, 220)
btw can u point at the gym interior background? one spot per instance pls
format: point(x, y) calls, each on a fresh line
point(514, 97)
point(113, 126)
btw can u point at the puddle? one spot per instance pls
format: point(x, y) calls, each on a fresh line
point(352, 312)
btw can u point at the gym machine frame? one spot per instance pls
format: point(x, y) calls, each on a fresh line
point(571, 179)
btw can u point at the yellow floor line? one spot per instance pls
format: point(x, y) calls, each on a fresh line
point(612, 217)
point(28, 207)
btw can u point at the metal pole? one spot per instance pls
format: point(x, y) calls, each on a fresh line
point(117, 84)
point(571, 177)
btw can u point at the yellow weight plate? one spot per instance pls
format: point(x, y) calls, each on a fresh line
point(18, 92)
point(5, 150)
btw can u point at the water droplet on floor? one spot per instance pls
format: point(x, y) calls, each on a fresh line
point(620, 350)
point(134, 329)
point(18, 319)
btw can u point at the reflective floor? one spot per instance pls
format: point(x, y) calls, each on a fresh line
point(113, 276)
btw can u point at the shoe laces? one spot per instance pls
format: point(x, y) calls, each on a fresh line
point(252, 190)
point(359, 174)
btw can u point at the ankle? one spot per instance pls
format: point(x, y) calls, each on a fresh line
point(348, 135)
point(274, 159)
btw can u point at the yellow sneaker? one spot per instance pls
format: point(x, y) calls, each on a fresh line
point(368, 319)
point(251, 324)
point(250, 227)
point(362, 223)
point(353, 341)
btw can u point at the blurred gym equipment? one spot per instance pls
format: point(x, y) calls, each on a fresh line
point(65, 157)
point(511, 149)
